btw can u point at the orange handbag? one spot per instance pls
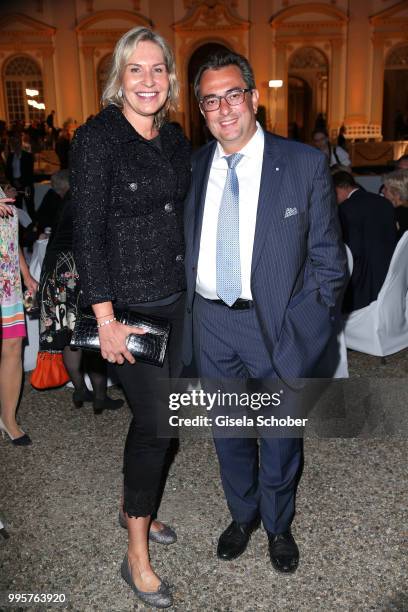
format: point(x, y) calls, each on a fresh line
point(49, 371)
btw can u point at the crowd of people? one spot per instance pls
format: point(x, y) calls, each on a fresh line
point(21, 147)
point(239, 247)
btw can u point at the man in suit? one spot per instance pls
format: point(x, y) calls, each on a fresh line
point(370, 231)
point(265, 267)
point(20, 173)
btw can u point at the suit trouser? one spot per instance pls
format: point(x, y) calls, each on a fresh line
point(259, 476)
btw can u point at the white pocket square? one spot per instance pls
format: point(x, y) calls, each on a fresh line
point(289, 212)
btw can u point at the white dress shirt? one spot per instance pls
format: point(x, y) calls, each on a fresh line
point(342, 155)
point(351, 192)
point(249, 178)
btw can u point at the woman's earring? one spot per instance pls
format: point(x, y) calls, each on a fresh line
point(120, 92)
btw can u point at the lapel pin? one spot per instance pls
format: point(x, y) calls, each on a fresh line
point(133, 186)
point(276, 168)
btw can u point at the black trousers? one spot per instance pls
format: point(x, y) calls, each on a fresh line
point(144, 386)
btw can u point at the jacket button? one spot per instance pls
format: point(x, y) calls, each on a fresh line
point(168, 207)
point(188, 310)
point(179, 258)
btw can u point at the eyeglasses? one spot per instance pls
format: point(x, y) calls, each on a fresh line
point(213, 102)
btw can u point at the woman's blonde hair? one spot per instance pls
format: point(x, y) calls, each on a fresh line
point(123, 50)
point(397, 183)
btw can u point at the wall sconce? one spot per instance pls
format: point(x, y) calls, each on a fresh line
point(275, 83)
point(32, 92)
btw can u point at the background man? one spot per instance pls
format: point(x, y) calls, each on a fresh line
point(52, 205)
point(369, 229)
point(20, 173)
point(265, 267)
point(336, 155)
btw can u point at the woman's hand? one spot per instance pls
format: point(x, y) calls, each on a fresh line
point(30, 283)
point(113, 338)
point(5, 209)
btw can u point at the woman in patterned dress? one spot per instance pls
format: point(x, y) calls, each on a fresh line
point(58, 297)
point(12, 323)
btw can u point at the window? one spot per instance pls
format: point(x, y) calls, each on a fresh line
point(23, 83)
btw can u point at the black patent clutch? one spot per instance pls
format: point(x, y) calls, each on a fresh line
point(148, 348)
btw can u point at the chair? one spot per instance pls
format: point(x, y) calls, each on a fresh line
point(381, 328)
point(342, 370)
point(334, 362)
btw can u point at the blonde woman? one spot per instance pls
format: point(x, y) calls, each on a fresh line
point(130, 175)
point(396, 190)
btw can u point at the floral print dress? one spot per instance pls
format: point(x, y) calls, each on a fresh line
point(12, 321)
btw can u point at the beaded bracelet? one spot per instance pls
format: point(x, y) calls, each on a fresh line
point(106, 322)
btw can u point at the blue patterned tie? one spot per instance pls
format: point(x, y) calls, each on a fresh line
point(228, 256)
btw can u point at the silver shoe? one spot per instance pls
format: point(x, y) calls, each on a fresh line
point(167, 535)
point(162, 598)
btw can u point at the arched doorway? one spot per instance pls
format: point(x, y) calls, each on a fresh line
point(308, 95)
point(395, 107)
point(24, 91)
point(198, 132)
point(299, 101)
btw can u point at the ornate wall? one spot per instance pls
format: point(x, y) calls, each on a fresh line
point(69, 39)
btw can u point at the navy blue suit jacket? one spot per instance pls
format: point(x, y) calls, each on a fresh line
point(369, 229)
point(298, 263)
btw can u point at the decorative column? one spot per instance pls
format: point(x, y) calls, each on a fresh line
point(259, 41)
point(88, 81)
point(3, 101)
point(336, 87)
point(377, 84)
point(359, 76)
point(278, 100)
point(50, 97)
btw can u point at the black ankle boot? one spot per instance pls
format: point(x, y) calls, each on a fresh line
point(80, 396)
point(107, 403)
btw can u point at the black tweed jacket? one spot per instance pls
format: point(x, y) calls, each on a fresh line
point(127, 199)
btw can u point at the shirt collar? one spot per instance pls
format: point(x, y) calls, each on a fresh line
point(351, 192)
point(252, 149)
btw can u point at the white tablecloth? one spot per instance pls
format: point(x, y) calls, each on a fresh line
point(37, 258)
point(40, 189)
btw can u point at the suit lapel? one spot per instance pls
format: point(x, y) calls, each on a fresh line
point(273, 167)
point(202, 173)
